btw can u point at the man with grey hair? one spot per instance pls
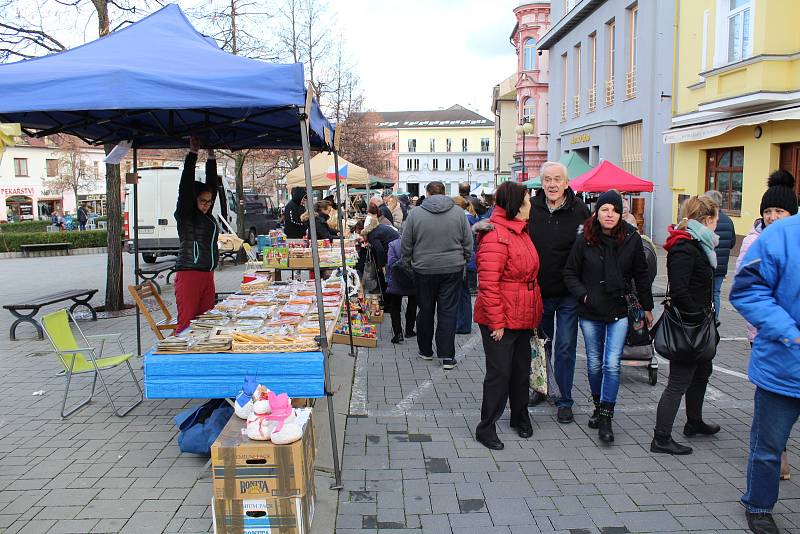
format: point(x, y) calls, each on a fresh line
point(556, 216)
point(727, 240)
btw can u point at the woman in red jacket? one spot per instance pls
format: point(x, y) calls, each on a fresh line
point(508, 309)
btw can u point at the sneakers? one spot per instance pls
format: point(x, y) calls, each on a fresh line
point(425, 357)
point(448, 363)
point(761, 523)
point(565, 415)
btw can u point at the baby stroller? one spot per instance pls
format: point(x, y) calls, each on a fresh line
point(644, 355)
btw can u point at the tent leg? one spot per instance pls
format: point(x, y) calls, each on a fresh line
point(344, 255)
point(323, 337)
point(136, 248)
point(652, 210)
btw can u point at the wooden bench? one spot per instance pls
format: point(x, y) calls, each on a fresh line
point(80, 297)
point(150, 271)
point(27, 249)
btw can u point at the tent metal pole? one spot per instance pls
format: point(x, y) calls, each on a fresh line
point(344, 255)
point(652, 210)
point(323, 331)
point(136, 246)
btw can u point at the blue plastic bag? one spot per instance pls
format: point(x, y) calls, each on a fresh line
point(200, 425)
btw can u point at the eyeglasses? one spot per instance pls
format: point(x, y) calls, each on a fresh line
point(204, 202)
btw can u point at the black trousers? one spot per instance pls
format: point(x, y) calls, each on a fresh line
point(508, 366)
point(437, 294)
point(689, 379)
point(394, 305)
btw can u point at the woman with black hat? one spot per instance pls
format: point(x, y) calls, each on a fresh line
point(604, 262)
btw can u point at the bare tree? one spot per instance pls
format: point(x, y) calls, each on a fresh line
point(360, 143)
point(75, 172)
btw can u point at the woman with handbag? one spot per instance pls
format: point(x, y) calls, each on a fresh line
point(691, 261)
point(396, 290)
point(604, 262)
point(508, 309)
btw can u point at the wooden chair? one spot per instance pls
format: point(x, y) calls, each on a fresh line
point(147, 290)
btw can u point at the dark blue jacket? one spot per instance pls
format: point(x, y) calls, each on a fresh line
point(379, 239)
point(393, 286)
point(727, 240)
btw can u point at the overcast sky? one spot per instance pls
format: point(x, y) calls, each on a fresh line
point(429, 54)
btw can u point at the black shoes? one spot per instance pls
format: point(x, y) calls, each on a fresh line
point(398, 338)
point(596, 413)
point(536, 398)
point(605, 415)
point(692, 428)
point(565, 415)
point(667, 445)
point(524, 431)
point(490, 443)
point(448, 363)
point(761, 523)
point(411, 333)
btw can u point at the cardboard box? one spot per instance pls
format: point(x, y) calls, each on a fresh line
point(290, 515)
point(243, 468)
point(376, 317)
point(344, 339)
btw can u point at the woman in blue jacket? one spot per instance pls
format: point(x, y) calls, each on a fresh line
point(397, 291)
point(765, 291)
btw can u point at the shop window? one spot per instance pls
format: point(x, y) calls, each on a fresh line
point(724, 172)
point(20, 167)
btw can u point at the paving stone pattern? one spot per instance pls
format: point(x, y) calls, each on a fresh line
point(411, 463)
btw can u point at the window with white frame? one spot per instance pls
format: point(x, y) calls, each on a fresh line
point(435, 164)
point(740, 45)
point(486, 164)
point(484, 144)
point(449, 146)
point(433, 144)
point(529, 109)
point(20, 167)
point(460, 164)
point(464, 145)
point(529, 54)
point(479, 164)
point(409, 164)
point(412, 145)
point(416, 164)
point(448, 164)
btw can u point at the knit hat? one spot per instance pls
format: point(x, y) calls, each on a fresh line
point(609, 197)
point(780, 193)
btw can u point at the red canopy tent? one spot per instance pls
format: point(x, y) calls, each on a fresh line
point(608, 176)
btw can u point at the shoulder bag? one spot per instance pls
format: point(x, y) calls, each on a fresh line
point(685, 338)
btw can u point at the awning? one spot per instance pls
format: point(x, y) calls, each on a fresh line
point(321, 164)
point(608, 176)
point(698, 132)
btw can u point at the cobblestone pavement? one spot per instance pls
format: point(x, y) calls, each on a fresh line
point(412, 465)
point(95, 472)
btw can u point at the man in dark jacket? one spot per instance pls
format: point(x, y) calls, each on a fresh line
point(438, 241)
point(294, 227)
point(727, 240)
point(556, 216)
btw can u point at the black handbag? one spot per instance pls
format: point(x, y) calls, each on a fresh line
point(638, 333)
point(683, 337)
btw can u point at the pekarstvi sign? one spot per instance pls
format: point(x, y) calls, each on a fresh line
point(27, 191)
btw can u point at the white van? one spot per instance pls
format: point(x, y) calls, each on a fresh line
point(158, 194)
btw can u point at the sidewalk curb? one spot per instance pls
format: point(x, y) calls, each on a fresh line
point(72, 252)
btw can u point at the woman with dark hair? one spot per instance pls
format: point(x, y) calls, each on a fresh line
point(691, 261)
point(508, 309)
point(323, 210)
point(197, 234)
point(599, 273)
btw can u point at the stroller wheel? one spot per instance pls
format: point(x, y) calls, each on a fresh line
point(652, 375)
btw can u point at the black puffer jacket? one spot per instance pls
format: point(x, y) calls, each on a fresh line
point(691, 277)
point(292, 225)
point(584, 276)
point(197, 231)
point(553, 235)
point(379, 238)
point(727, 240)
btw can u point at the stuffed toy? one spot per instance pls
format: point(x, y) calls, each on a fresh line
point(243, 405)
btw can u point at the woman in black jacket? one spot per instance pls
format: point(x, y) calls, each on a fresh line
point(691, 261)
point(604, 262)
point(293, 225)
point(197, 233)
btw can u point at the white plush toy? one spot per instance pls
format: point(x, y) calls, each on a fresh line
point(243, 405)
point(273, 419)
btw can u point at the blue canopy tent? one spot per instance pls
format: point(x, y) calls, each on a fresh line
point(159, 81)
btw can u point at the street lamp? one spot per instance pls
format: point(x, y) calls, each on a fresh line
point(469, 175)
point(524, 130)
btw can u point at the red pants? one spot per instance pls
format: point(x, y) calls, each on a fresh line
point(194, 294)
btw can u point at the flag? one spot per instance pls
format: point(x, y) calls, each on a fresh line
point(7, 134)
point(331, 174)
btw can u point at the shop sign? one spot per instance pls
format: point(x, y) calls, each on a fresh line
point(89, 198)
point(582, 138)
point(27, 191)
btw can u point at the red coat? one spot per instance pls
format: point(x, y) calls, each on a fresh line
point(508, 294)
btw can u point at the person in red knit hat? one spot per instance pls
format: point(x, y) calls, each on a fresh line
point(508, 309)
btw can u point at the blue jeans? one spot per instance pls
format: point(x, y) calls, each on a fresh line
point(464, 311)
point(560, 325)
point(604, 343)
point(773, 418)
point(717, 291)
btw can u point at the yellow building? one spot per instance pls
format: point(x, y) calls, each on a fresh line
point(736, 100)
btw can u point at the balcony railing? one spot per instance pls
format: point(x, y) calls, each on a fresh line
point(630, 84)
point(592, 99)
point(576, 106)
point(610, 92)
point(563, 111)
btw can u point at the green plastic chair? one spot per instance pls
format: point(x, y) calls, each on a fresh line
point(83, 358)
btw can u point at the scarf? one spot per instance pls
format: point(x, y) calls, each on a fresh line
point(614, 281)
point(708, 239)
